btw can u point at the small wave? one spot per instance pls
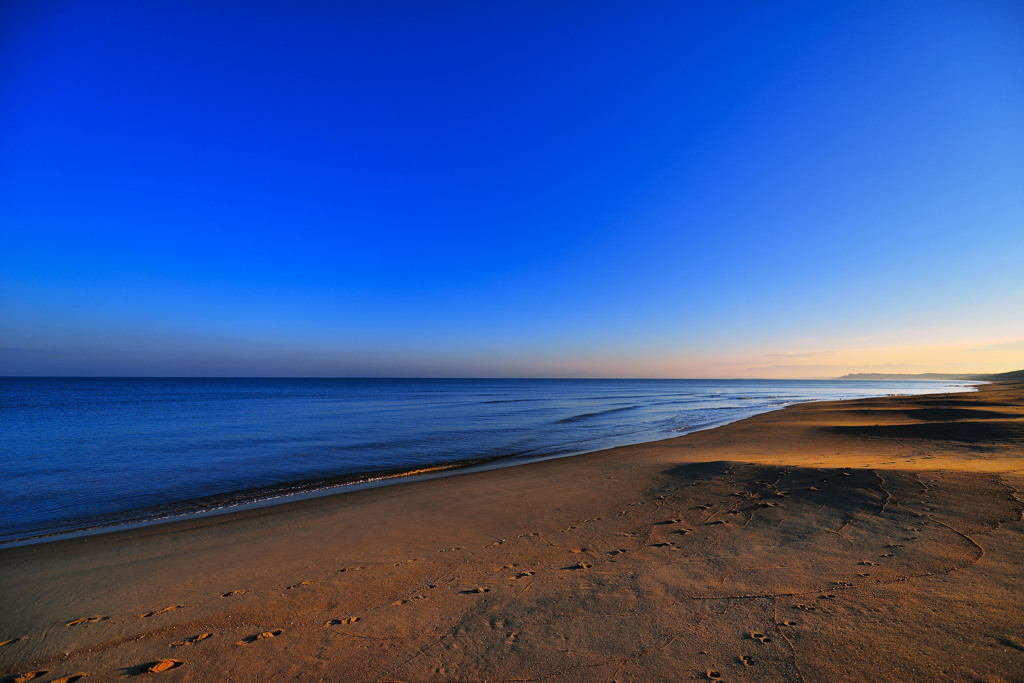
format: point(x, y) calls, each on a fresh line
point(513, 400)
point(587, 416)
point(225, 501)
point(619, 397)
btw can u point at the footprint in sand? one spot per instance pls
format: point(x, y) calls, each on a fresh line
point(746, 660)
point(579, 550)
point(260, 636)
point(160, 611)
point(475, 591)
point(86, 620)
point(767, 504)
point(867, 563)
point(69, 679)
point(449, 550)
point(349, 569)
point(28, 676)
point(9, 642)
point(163, 665)
point(522, 575)
point(659, 545)
point(230, 593)
point(714, 522)
point(405, 600)
point(682, 531)
point(787, 623)
point(669, 521)
point(706, 506)
point(342, 622)
point(843, 584)
point(806, 608)
point(297, 585)
point(152, 668)
point(617, 551)
point(156, 667)
point(189, 641)
point(756, 635)
point(826, 596)
point(713, 675)
point(579, 565)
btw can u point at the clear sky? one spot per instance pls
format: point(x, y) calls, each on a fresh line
point(650, 189)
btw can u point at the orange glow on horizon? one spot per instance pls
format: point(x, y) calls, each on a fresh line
point(976, 358)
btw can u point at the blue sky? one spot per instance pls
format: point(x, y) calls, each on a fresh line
point(511, 189)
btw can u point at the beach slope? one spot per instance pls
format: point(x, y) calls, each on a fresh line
point(844, 541)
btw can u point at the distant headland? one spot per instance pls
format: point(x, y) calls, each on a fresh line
point(998, 377)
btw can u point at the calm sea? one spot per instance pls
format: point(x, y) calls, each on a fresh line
point(85, 453)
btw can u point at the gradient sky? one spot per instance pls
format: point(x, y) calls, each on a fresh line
point(653, 189)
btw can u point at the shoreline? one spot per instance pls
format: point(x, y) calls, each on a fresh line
point(297, 491)
point(248, 499)
point(828, 529)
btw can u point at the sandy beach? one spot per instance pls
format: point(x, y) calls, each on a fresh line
point(864, 540)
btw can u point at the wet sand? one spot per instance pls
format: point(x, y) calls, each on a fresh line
point(876, 539)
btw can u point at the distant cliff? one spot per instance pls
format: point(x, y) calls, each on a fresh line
point(1002, 376)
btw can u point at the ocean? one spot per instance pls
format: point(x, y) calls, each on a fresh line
point(79, 454)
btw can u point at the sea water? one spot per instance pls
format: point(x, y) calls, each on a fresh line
point(79, 454)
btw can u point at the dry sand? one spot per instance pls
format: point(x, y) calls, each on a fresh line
point(866, 540)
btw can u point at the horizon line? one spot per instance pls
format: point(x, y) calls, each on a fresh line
point(905, 375)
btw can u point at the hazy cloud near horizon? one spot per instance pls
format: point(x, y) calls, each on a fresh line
point(142, 362)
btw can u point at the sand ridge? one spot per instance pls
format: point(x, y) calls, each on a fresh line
point(825, 542)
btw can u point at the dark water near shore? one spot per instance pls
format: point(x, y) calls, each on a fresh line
point(82, 453)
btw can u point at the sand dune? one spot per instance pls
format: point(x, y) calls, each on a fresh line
point(851, 541)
